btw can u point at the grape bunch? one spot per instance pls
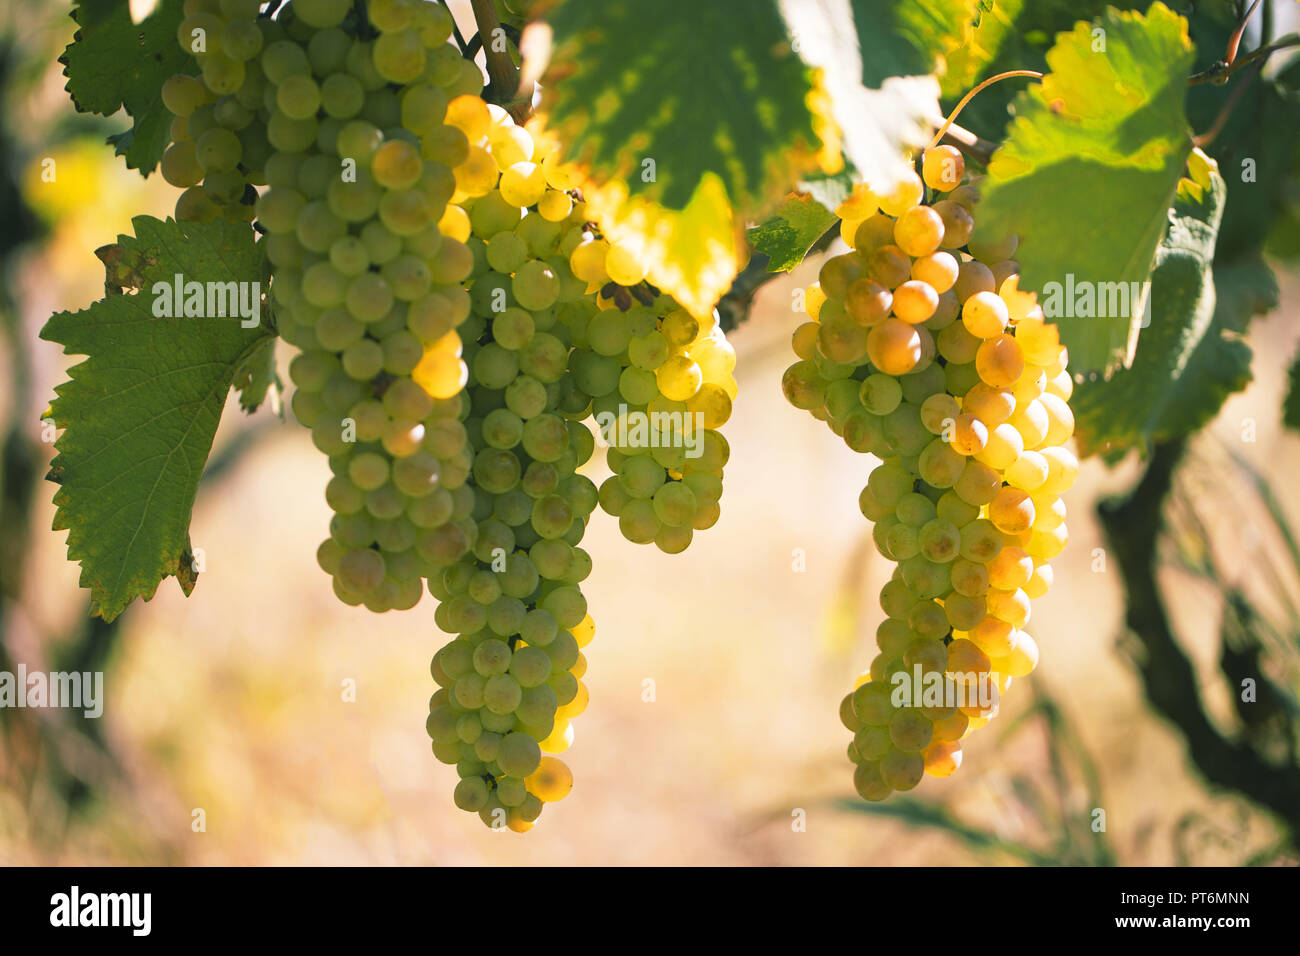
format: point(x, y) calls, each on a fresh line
point(662, 385)
point(923, 351)
point(510, 681)
point(358, 168)
point(458, 321)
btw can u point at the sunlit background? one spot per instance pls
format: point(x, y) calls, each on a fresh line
point(715, 676)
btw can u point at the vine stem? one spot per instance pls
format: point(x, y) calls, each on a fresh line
point(502, 72)
point(971, 95)
point(972, 145)
point(1234, 41)
point(1204, 139)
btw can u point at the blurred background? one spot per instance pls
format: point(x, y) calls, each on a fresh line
point(234, 702)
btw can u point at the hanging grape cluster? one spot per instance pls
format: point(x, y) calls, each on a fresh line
point(923, 351)
point(458, 321)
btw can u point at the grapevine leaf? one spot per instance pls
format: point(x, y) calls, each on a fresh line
point(786, 238)
point(113, 63)
point(1256, 146)
point(1291, 410)
point(878, 124)
point(1091, 167)
point(139, 413)
point(692, 255)
point(695, 87)
point(1188, 361)
point(256, 378)
point(1013, 35)
point(909, 39)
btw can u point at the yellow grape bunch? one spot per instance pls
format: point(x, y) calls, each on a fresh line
point(460, 326)
point(922, 350)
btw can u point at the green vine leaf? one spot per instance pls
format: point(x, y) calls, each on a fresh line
point(139, 414)
point(113, 63)
point(882, 115)
point(1091, 166)
point(703, 88)
point(786, 238)
point(909, 39)
point(1190, 359)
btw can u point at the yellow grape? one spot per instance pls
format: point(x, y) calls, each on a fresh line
point(969, 434)
point(1049, 512)
point(889, 266)
point(713, 402)
point(947, 311)
point(559, 174)
point(1010, 569)
point(555, 206)
point(894, 347)
point(906, 194)
point(992, 406)
point(978, 484)
point(838, 273)
point(1061, 385)
point(938, 412)
point(1009, 606)
point(1004, 270)
point(957, 345)
point(999, 361)
point(623, 266)
point(588, 260)
point(967, 196)
point(875, 231)
point(560, 739)
point(1003, 447)
point(1045, 545)
point(477, 175)
point(1012, 511)
point(551, 781)
point(984, 314)
point(1031, 383)
point(1062, 470)
point(470, 115)
point(970, 578)
point(1028, 472)
point(973, 277)
point(942, 168)
point(915, 301)
point(1060, 419)
point(1040, 582)
point(939, 269)
point(868, 302)
point(455, 223)
point(813, 297)
point(1032, 422)
point(510, 145)
point(951, 728)
point(679, 378)
point(1022, 659)
point(918, 231)
point(942, 758)
point(993, 636)
point(958, 224)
